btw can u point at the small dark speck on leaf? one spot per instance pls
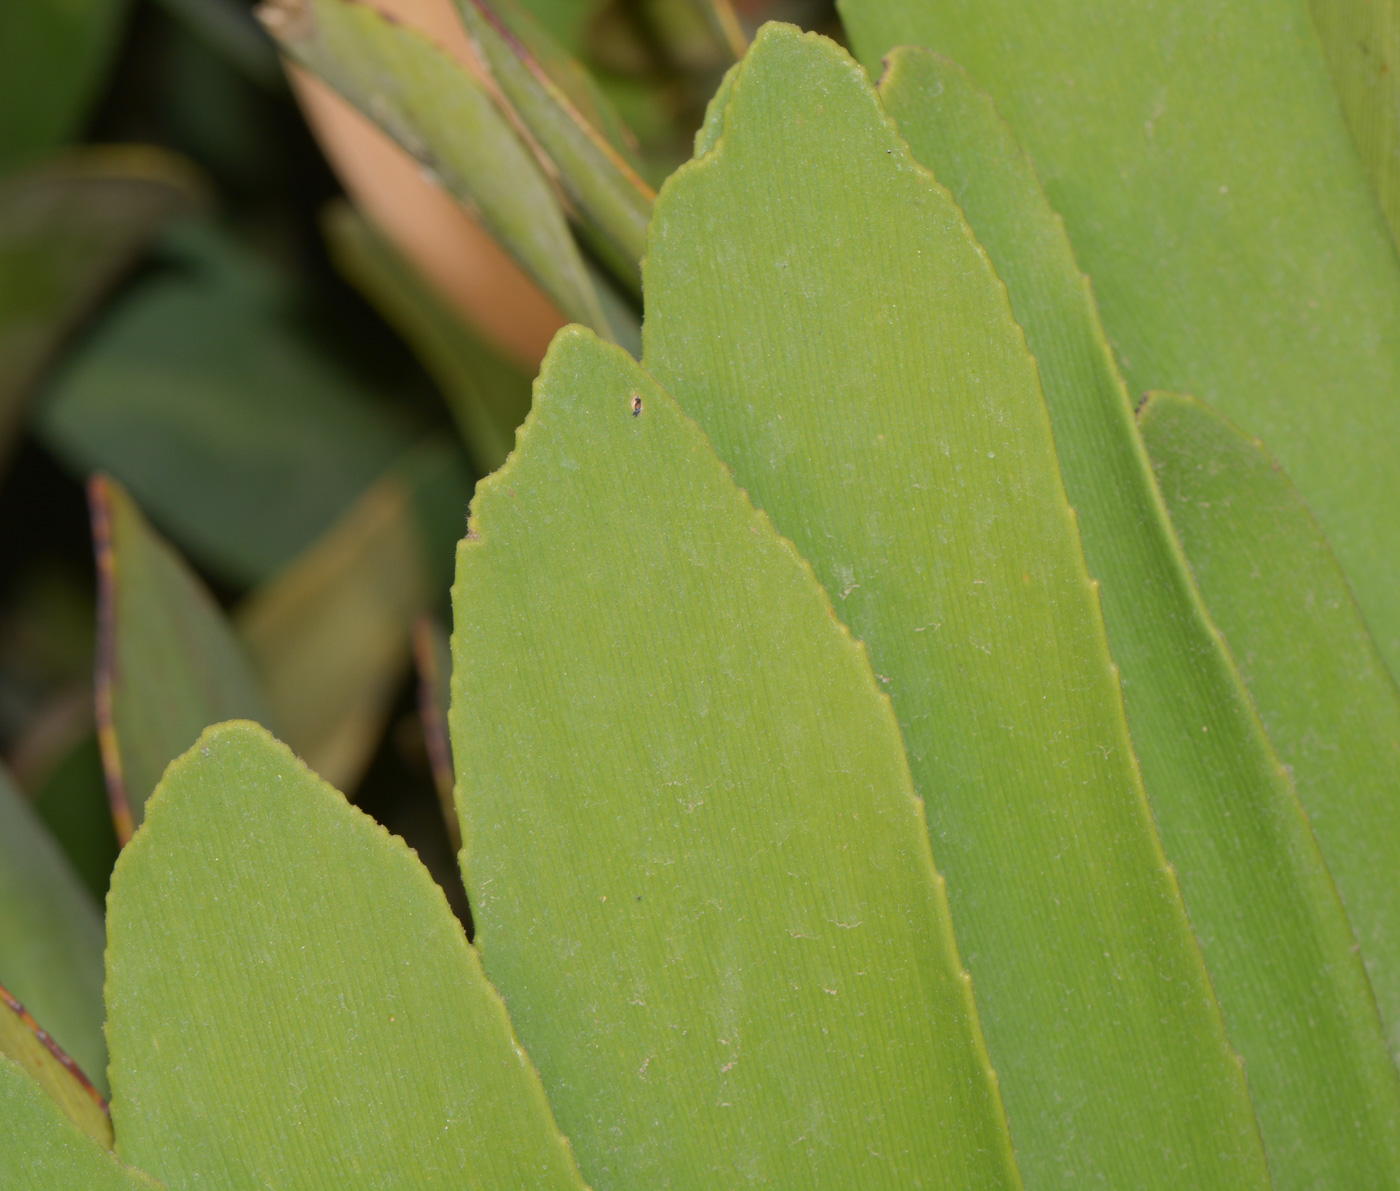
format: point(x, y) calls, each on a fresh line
point(636, 405)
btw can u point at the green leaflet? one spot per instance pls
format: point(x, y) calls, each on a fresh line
point(168, 663)
point(432, 657)
point(665, 745)
point(1361, 42)
point(42, 1150)
point(1198, 156)
point(50, 936)
point(53, 59)
point(197, 394)
point(1328, 700)
point(445, 117)
point(292, 1004)
point(571, 118)
point(23, 1040)
point(877, 399)
point(68, 229)
point(487, 394)
point(1301, 1016)
point(73, 804)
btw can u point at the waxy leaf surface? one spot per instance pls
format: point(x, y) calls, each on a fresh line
point(1331, 706)
point(1301, 1015)
point(876, 398)
point(169, 663)
point(698, 870)
point(50, 936)
point(445, 117)
point(291, 1003)
point(1212, 192)
point(42, 1150)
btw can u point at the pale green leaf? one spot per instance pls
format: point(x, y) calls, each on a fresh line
point(1361, 42)
point(876, 397)
point(487, 393)
point(570, 117)
point(50, 936)
point(54, 56)
point(291, 1003)
point(1198, 155)
point(168, 662)
point(1301, 1016)
point(698, 870)
point(198, 393)
point(42, 1150)
point(444, 116)
point(68, 229)
point(1330, 704)
point(29, 1044)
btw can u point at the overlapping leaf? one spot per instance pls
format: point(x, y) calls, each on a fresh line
point(1302, 1016)
point(27, 1043)
point(291, 1002)
point(1198, 155)
point(697, 866)
point(876, 398)
point(1328, 700)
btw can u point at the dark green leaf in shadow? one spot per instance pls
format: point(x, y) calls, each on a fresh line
point(50, 936)
point(877, 399)
point(73, 804)
point(432, 656)
point(29, 1044)
point(234, 433)
point(1301, 1016)
point(1361, 42)
point(665, 745)
point(1211, 190)
point(54, 56)
point(68, 229)
point(570, 118)
point(487, 393)
point(168, 661)
point(446, 117)
point(42, 1150)
point(292, 1003)
point(1331, 706)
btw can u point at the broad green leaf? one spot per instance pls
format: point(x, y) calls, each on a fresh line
point(696, 864)
point(445, 117)
point(1330, 704)
point(73, 804)
point(24, 1041)
point(1302, 1016)
point(68, 229)
point(291, 1003)
point(329, 635)
point(488, 394)
point(54, 56)
point(432, 656)
point(50, 936)
point(876, 398)
point(1198, 155)
point(570, 117)
point(1361, 42)
point(168, 662)
point(42, 1150)
point(238, 437)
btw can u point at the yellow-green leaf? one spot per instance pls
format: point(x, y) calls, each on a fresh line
point(1198, 155)
point(1331, 706)
point(1302, 1016)
point(445, 117)
point(697, 867)
point(26, 1042)
point(292, 1004)
point(876, 398)
point(169, 663)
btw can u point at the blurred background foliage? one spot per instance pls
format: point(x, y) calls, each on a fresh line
point(227, 291)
